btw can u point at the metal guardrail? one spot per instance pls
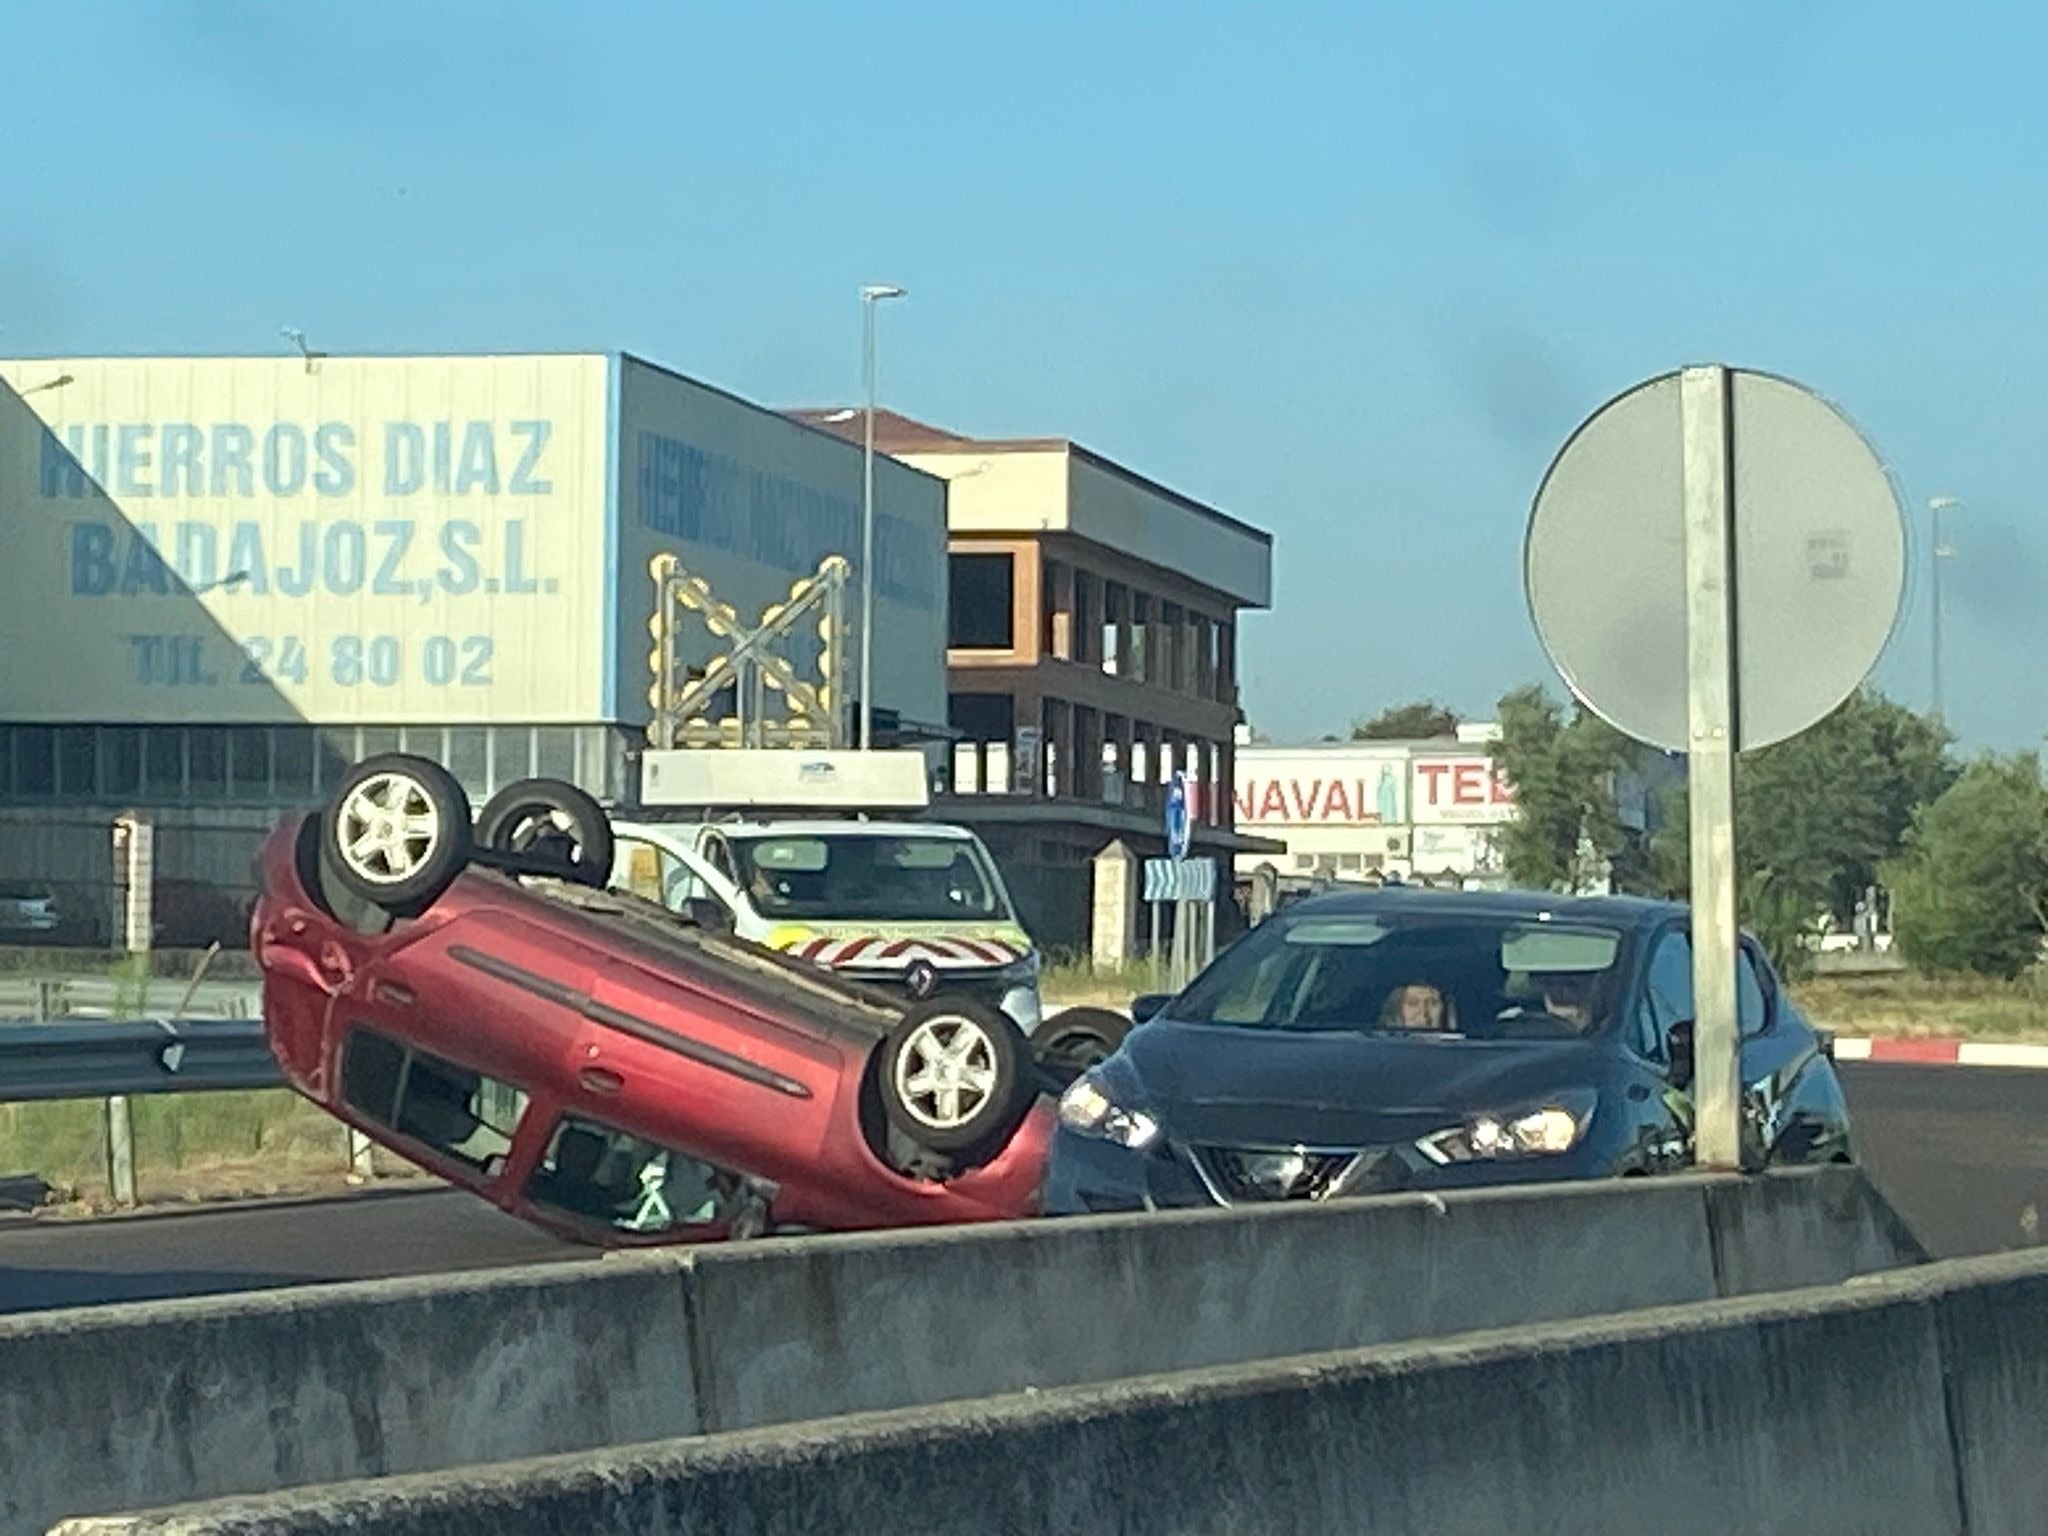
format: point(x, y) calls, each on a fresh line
point(116, 1058)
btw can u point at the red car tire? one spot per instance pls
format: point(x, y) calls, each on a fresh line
point(549, 822)
point(955, 1076)
point(396, 832)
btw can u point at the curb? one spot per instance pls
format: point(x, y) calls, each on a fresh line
point(1942, 1053)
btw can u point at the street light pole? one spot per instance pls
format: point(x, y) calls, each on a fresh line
point(869, 296)
point(1938, 505)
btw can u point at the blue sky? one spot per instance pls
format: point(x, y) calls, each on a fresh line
point(1350, 271)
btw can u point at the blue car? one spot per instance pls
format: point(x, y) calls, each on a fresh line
point(1404, 1039)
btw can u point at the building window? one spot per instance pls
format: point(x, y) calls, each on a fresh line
point(511, 754)
point(6, 760)
point(1116, 601)
point(249, 762)
point(1141, 657)
point(555, 752)
point(337, 756)
point(78, 774)
point(35, 760)
point(208, 773)
point(294, 749)
point(469, 759)
point(981, 607)
point(376, 740)
point(163, 761)
point(121, 761)
point(982, 716)
point(425, 741)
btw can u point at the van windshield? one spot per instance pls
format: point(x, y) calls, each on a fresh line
point(877, 877)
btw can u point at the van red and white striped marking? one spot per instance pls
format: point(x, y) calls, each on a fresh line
point(873, 949)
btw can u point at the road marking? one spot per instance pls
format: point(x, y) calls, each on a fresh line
point(1988, 1055)
point(1943, 1053)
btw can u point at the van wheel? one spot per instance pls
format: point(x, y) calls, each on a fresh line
point(549, 825)
point(955, 1076)
point(397, 832)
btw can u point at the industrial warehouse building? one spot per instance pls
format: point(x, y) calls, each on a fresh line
point(230, 578)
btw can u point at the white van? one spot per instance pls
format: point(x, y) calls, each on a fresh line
point(770, 839)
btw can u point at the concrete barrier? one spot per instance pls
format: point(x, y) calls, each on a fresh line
point(1994, 1343)
point(116, 1406)
point(1820, 1413)
point(791, 1332)
point(860, 1323)
point(1814, 1227)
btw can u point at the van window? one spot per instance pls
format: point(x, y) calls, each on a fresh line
point(452, 1110)
point(598, 1173)
point(654, 874)
point(877, 876)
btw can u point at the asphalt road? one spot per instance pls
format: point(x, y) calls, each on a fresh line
point(151, 1255)
point(1962, 1152)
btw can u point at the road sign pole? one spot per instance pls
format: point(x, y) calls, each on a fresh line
point(1704, 409)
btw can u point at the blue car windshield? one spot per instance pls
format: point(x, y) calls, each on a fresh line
point(1441, 974)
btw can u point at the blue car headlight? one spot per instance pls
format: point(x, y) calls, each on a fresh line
point(1548, 1129)
point(1089, 1108)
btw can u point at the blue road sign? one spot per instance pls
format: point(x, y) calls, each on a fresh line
point(1177, 829)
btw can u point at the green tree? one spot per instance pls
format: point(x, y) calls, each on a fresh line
point(1420, 721)
point(1817, 816)
point(1970, 891)
point(1563, 768)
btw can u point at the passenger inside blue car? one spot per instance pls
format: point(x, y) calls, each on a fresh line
point(1417, 1006)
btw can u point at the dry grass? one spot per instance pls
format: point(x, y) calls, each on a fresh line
point(1889, 1004)
point(1969, 1008)
point(1078, 984)
point(187, 1147)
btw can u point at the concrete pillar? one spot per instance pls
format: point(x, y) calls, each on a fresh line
point(120, 1151)
point(1027, 637)
point(1114, 928)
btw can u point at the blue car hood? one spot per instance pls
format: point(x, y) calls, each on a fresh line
point(1222, 1086)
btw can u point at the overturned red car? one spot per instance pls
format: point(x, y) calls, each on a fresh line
point(471, 996)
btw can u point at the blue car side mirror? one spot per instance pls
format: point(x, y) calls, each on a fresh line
point(1149, 1006)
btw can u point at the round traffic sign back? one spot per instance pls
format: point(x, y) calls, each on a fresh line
point(1818, 551)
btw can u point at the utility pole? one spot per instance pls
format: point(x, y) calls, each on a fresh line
point(869, 297)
